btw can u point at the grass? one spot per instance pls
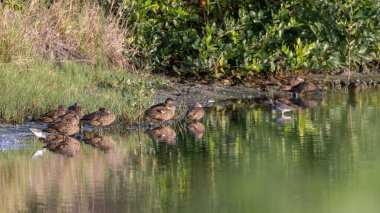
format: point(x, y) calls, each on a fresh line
point(62, 30)
point(33, 88)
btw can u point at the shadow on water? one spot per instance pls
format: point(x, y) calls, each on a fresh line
point(326, 158)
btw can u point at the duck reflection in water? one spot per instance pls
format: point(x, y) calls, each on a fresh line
point(61, 144)
point(280, 106)
point(197, 129)
point(163, 134)
point(57, 142)
point(69, 146)
point(102, 142)
point(283, 119)
point(353, 93)
point(283, 105)
point(303, 103)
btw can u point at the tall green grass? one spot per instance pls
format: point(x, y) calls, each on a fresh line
point(33, 88)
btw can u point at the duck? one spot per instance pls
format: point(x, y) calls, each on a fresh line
point(196, 112)
point(70, 117)
point(63, 128)
point(280, 107)
point(197, 129)
point(78, 109)
point(163, 134)
point(52, 115)
point(161, 112)
point(303, 87)
point(291, 83)
point(102, 117)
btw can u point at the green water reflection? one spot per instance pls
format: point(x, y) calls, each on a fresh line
point(327, 159)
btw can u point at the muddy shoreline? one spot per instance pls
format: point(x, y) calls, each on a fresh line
point(225, 93)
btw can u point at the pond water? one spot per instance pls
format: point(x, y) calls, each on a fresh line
point(322, 159)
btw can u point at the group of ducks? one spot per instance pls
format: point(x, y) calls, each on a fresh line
point(296, 86)
point(166, 111)
point(64, 124)
point(67, 121)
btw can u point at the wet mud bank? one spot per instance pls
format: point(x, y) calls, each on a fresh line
point(225, 93)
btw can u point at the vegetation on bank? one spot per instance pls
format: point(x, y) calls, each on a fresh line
point(200, 37)
point(240, 38)
point(34, 88)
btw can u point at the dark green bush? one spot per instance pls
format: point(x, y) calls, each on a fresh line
point(244, 37)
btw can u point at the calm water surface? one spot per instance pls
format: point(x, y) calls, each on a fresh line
point(323, 159)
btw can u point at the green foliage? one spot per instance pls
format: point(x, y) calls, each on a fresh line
point(34, 88)
point(246, 37)
point(13, 4)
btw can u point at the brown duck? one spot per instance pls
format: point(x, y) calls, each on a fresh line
point(67, 146)
point(63, 128)
point(197, 129)
point(303, 87)
point(161, 112)
point(196, 112)
point(163, 134)
point(102, 117)
point(71, 117)
point(78, 109)
point(291, 83)
point(52, 115)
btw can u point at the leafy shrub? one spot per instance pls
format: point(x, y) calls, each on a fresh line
point(239, 38)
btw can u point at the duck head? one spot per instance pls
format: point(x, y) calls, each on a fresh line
point(61, 107)
point(169, 103)
point(104, 110)
point(197, 104)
